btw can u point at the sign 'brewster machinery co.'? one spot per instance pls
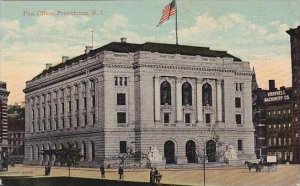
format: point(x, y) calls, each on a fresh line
point(274, 96)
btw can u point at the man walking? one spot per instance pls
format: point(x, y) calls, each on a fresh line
point(121, 173)
point(102, 170)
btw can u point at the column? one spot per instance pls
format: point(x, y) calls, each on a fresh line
point(199, 101)
point(157, 98)
point(178, 99)
point(219, 100)
point(88, 103)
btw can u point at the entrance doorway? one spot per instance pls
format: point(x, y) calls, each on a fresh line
point(190, 150)
point(169, 152)
point(211, 150)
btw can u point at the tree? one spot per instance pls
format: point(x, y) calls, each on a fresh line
point(68, 155)
point(18, 108)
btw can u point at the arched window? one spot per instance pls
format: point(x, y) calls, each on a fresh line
point(93, 150)
point(165, 93)
point(206, 95)
point(32, 152)
point(83, 151)
point(186, 93)
point(38, 151)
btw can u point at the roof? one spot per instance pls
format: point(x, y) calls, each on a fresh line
point(124, 47)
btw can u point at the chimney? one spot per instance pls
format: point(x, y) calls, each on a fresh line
point(48, 65)
point(64, 58)
point(271, 85)
point(123, 40)
point(88, 49)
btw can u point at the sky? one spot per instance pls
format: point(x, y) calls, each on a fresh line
point(254, 31)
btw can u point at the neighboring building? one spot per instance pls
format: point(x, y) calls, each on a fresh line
point(3, 119)
point(259, 119)
point(133, 96)
point(295, 60)
point(16, 134)
point(279, 106)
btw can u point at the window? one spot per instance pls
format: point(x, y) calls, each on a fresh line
point(92, 84)
point(93, 101)
point(94, 118)
point(76, 88)
point(207, 118)
point(279, 141)
point(274, 140)
point(186, 93)
point(84, 103)
point(123, 147)
point(121, 81)
point(84, 85)
point(77, 104)
point(237, 102)
point(56, 124)
point(239, 86)
point(116, 81)
point(85, 120)
point(206, 95)
point(165, 93)
point(121, 99)
point(166, 117)
point(238, 119)
point(125, 81)
point(270, 142)
point(70, 106)
point(62, 108)
point(121, 117)
point(240, 145)
point(187, 118)
point(77, 121)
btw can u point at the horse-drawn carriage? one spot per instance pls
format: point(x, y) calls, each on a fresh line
point(263, 166)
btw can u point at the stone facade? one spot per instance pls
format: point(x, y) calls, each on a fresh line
point(3, 119)
point(125, 96)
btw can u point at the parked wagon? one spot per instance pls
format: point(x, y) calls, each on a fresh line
point(270, 164)
point(265, 166)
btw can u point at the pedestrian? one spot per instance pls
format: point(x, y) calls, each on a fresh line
point(102, 170)
point(121, 173)
point(155, 175)
point(151, 175)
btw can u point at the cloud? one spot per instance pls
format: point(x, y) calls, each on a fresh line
point(9, 29)
point(114, 23)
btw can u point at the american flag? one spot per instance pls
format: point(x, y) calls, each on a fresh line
point(167, 12)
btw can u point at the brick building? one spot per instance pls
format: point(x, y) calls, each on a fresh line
point(295, 60)
point(278, 119)
point(137, 96)
point(16, 134)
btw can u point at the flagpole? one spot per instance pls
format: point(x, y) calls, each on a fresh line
point(176, 23)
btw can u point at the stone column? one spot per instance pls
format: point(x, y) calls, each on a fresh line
point(88, 103)
point(178, 99)
point(157, 98)
point(199, 101)
point(219, 100)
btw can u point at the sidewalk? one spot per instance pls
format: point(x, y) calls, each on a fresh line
point(285, 175)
